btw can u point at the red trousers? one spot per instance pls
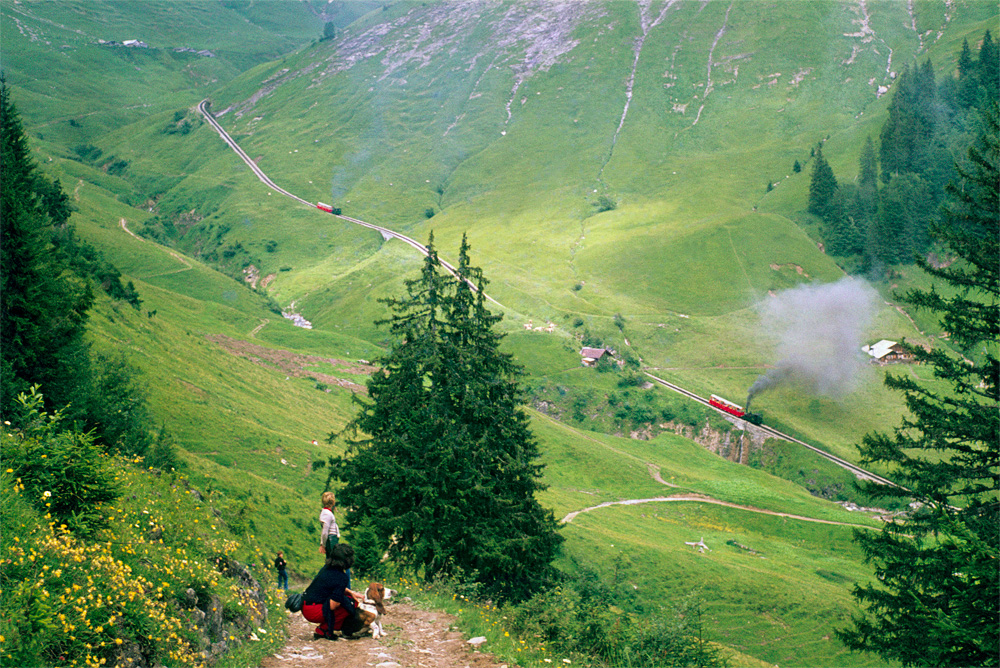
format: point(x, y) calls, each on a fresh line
point(313, 612)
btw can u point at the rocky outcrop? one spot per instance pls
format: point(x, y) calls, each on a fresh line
point(735, 444)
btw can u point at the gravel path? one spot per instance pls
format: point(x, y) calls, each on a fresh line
point(416, 638)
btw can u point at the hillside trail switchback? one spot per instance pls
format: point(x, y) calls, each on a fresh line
point(416, 638)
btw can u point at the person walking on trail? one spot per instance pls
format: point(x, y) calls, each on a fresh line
point(330, 535)
point(279, 563)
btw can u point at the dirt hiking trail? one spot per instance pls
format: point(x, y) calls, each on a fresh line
point(415, 638)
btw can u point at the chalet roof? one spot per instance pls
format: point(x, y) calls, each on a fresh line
point(594, 353)
point(880, 349)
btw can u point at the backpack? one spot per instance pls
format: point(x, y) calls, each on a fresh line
point(294, 602)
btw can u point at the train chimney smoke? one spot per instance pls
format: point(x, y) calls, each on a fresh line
point(819, 330)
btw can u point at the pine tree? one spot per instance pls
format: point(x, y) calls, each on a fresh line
point(43, 305)
point(968, 77)
point(965, 62)
point(822, 187)
point(988, 68)
point(936, 598)
point(446, 473)
point(867, 197)
point(911, 122)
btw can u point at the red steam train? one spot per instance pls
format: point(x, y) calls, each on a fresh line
point(324, 207)
point(734, 409)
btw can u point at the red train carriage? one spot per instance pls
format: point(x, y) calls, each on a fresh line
point(726, 405)
point(324, 207)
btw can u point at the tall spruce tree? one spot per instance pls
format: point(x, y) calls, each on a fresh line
point(822, 188)
point(442, 467)
point(936, 597)
point(988, 66)
point(43, 304)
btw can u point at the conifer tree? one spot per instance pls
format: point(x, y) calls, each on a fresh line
point(446, 472)
point(867, 196)
point(965, 62)
point(968, 77)
point(936, 597)
point(43, 306)
point(988, 67)
point(822, 188)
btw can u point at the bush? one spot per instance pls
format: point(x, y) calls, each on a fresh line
point(588, 616)
point(592, 340)
point(117, 167)
point(605, 364)
point(163, 454)
point(631, 379)
point(88, 152)
point(606, 203)
point(116, 409)
point(62, 473)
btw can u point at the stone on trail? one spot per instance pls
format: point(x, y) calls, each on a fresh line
point(477, 641)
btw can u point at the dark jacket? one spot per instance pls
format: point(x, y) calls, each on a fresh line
point(279, 563)
point(330, 584)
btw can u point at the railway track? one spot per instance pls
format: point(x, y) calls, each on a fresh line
point(266, 180)
point(387, 233)
point(856, 470)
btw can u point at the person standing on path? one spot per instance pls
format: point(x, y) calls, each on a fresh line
point(279, 563)
point(330, 535)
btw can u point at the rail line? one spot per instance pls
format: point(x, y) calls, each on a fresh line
point(266, 180)
point(387, 233)
point(858, 472)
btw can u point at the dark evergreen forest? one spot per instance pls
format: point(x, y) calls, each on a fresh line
point(884, 218)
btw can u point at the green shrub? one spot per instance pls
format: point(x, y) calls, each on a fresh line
point(63, 473)
point(116, 408)
point(600, 620)
point(117, 167)
point(606, 203)
point(631, 379)
point(87, 152)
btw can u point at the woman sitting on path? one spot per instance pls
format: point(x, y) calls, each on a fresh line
point(329, 601)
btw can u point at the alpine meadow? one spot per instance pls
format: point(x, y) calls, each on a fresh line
point(624, 332)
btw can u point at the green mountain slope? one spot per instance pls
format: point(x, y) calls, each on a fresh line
point(516, 123)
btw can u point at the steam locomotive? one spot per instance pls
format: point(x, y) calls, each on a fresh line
point(735, 409)
point(335, 210)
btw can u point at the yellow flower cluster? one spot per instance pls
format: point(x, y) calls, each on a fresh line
point(117, 598)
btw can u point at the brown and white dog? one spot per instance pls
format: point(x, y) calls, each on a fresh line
point(373, 608)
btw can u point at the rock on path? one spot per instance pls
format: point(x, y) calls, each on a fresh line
point(415, 638)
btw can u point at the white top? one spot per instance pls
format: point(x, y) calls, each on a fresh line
point(329, 523)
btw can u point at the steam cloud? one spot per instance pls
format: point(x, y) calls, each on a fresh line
point(818, 330)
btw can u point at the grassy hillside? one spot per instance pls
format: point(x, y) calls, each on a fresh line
point(604, 158)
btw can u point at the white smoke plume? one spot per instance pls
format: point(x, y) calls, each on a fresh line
point(818, 330)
